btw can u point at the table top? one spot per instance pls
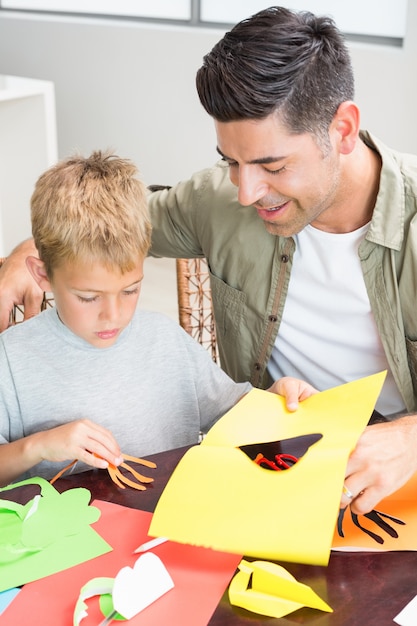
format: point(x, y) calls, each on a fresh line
point(363, 588)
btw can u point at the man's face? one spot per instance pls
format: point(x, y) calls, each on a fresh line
point(289, 179)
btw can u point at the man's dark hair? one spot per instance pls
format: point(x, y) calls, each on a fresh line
point(278, 60)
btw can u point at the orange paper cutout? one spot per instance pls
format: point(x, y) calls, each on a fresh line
point(400, 505)
point(116, 475)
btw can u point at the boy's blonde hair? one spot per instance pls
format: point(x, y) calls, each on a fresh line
point(91, 209)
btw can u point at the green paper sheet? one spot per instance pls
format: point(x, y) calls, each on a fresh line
point(48, 534)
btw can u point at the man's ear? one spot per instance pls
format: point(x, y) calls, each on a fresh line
point(37, 268)
point(346, 125)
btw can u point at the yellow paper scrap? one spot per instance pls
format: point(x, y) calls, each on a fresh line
point(273, 591)
point(219, 498)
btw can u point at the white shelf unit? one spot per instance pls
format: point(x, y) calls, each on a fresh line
point(28, 146)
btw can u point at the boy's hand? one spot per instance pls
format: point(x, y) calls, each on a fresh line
point(294, 390)
point(82, 439)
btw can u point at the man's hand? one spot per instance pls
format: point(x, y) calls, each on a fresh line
point(384, 460)
point(17, 285)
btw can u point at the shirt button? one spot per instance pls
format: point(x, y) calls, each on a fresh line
point(272, 318)
point(257, 366)
point(285, 258)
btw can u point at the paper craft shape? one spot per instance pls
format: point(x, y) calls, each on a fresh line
point(381, 522)
point(398, 531)
point(115, 473)
point(217, 497)
point(131, 591)
point(200, 577)
point(269, 589)
point(48, 533)
point(94, 587)
point(136, 588)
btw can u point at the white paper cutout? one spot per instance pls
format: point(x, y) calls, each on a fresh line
point(408, 616)
point(132, 590)
point(136, 588)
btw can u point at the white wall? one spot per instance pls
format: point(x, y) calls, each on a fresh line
point(28, 145)
point(122, 85)
point(130, 86)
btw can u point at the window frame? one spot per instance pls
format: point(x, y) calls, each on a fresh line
point(384, 22)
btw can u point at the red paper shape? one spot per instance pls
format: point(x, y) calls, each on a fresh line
point(200, 577)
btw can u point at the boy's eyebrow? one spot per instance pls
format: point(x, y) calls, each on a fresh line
point(93, 290)
point(261, 161)
point(135, 282)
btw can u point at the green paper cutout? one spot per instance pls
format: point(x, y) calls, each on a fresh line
point(102, 587)
point(106, 607)
point(41, 529)
point(36, 542)
point(94, 587)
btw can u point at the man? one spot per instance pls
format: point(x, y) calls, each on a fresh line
point(312, 256)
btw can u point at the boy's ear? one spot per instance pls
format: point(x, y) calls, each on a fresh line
point(37, 269)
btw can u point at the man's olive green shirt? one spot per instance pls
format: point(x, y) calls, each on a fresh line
point(250, 268)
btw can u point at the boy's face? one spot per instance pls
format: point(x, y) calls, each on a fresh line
point(94, 302)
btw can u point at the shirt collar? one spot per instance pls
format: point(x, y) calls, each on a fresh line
point(387, 224)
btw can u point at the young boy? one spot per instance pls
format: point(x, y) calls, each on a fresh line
point(94, 378)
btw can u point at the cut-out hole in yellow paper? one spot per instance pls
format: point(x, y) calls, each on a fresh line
point(280, 455)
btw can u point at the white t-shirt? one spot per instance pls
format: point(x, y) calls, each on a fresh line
point(328, 334)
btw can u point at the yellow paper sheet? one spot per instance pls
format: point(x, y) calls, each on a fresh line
point(219, 498)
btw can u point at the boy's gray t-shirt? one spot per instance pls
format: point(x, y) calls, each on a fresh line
point(155, 389)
